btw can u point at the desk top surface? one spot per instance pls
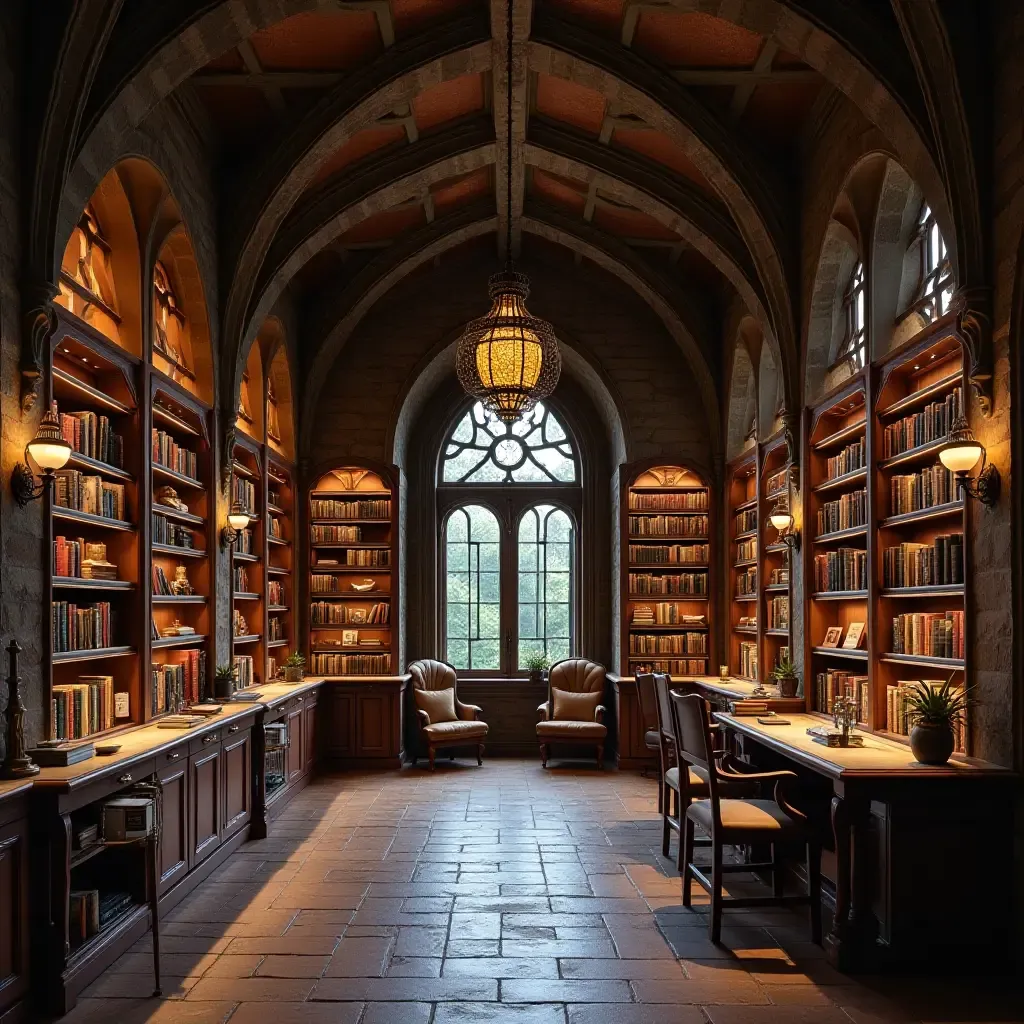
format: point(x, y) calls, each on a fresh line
point(878, 756)
point(12, 787)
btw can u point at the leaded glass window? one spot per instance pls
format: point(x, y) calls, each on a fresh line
point(855, 342)
point(473, 588)
point(546, 555)
point(534, 449)
point(935, 284)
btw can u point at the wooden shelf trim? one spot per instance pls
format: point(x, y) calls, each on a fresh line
point(951, 508)
point(187, 640)
point(838, 535)
point(91, 655)
point(938, 590)
point(922, 451)
point(846, 434)
point(82, 583)
point(921, 396)
point(838, 483)
point(172, 474)
point(88, 519)
point(88, 392)
point(179, 599)
point(177, 552)
point(179, 514)
point(840, 595)
point(855, 654)
point(923, 661)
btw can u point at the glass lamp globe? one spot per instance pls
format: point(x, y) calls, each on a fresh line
point(48, 449)
point(781, 518)
point(238, 518)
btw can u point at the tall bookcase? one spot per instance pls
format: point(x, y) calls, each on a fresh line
point(907, 529)
point(280, 598)
point(775, 568)
point(743, 520)
point(248, 613)
point(353, 559)
point(666, 575)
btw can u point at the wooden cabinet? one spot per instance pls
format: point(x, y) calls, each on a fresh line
point(631, 750)
point(174, 832)
point(236, 768)
point(14, 909)
point(205, 781)
point(339, 721)
point(309, 733)
point(296, 759)
point(373, 723)
point(363, 722)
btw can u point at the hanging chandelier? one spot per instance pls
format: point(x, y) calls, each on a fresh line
point(508, 359)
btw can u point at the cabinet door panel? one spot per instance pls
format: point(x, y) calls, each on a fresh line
point(296, 758)
point(206, 803)
point(237, 767)
point(339, 723)
point(309, 737)
point(373, 724)
point(174, 839)
point(13, 912)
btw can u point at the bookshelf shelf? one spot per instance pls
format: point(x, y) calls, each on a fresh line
point(776, 588)
point(178, 514)
point(65, 382)
point(246, 596)
point(748, 504)
point(88, 519)
point(921, 453)
point(748, 630)
point(840, 482)
point(745, 563)
point(952, 590)
point(278, 570)
point(175, 552)
point(840, 535)
point(923, 395)
point(179, 599)
point(853, 654)
point(248, 638)
point(241, 556)
point(179, 478)
point(167, 642)
point(746, 535)
point(63, 657)
point(777, 632)
point(277, 643)
point(840, 595)
point(89, 465)
point(166, 418)
point(923, 661)
point(81, 583)
point(843, 436)
point(953, 508)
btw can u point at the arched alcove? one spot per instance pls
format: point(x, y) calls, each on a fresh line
point(742, 402)
point(279, 418)
point(769, 395)
point(249, 415)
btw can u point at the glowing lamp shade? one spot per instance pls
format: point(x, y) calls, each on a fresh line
point(508, 358)
point(961, 452)
point(48, 449)
point(238, 518)
point(781, 519)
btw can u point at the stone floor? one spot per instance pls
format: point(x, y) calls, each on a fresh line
point(505, 894)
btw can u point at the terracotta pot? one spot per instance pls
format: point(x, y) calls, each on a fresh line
point(292, 675)
point(787, 685)
point(931, 744)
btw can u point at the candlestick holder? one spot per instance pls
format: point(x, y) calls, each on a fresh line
point(16, 764)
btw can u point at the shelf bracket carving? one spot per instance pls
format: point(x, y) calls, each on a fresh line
point(971, 305)
point(227, 456)
point(791, 432)
point(40, 322)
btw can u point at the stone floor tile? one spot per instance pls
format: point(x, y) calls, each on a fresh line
point(476, 926)
point(302, 945)
point(630, 970)
point(544, 991)
point(228, 966)
point(414, 967)
point(140, 986)
point(406, 989)
point(357, 957)
point(499, 1013)
point(501, 967)
point(472, 947)
point(776, 1015)
point(557, 948)
point(172, 965)
point(298, 1013)
point(252, 990)
point(619, 1013)
point(292, 966)
point(687, 991)
point(150, 1011)
point(395, 1013)
point(421, 941)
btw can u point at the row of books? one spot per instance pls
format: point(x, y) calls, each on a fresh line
point(241, 580)
point(275, 528)
point(748, 659)
point(665, 613)
point(775, 484)
point(897, 707)
point(642, 583)
point(175, 684)
point(372, 557)
point(746, 550)
point(331, 508)
point(351, 664)
point(674, 501)
point(673, 554)
point(337, 534)
point(77, 628)
point(843, 569)
point(89, 912)
point(83, 559)
point(244, 492)
point(243, 542)
point(323, 583)
point(668, 526)
point(744, 522)
point(171, 455)
point(80, 709)
point(161, 584)
point(778, 612)
point(91, 435)
point(275, 592)
point(328, 613)
point(844, 513)
point(839, 683)
point(239, 624)
point(934, 485)
point(245, 671)
point(852, 457)
point(930, 424)
point(929, 634)
point(174, 534)
point(674, 666)
point(668, 643)
point(925, 565)
point(746, 582)
point(89, 493)
point(275, 629)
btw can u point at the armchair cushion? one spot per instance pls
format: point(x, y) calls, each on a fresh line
point(574, 707)
point(455, 731)
point(572, 730)
point(439, 705)
point(428, 674)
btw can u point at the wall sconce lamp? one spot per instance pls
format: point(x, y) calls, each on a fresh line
point(238, 520)
point(960, 454)
point(49, 451)
point(782, 519)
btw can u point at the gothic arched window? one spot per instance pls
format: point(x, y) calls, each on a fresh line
point(934, 292)
point(854, 346)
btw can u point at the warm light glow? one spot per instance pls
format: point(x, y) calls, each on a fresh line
point(507, 356)
point(781, 520)
point(961, 458)
point(48, 449)
point(238, 518)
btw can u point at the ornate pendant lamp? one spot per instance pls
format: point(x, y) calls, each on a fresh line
point(508, 358)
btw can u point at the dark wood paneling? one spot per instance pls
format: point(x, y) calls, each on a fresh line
point(373, 724)
point(510, 711)
point(205, 772)
point(237, 770)
point(174, 837)
point(14, 913)
point(296, 759)
point(339, 722)
point(309, 736)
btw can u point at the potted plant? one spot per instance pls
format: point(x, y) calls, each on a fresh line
point(536, 662)
point(294, 667)
point(785, 678)
point(224, 682)
point(935, 711)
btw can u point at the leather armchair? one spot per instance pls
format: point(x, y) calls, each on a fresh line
point(429, 675)
point(577, 678)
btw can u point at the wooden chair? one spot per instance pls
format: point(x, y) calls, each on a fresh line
point(432, 678)
point(649, 716)
point(738, 821)
point(573, 713)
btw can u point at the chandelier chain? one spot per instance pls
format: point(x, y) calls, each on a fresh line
point(508, 136)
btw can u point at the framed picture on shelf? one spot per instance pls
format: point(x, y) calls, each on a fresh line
point(832, 636)
point(854, 636)
point(349, 637)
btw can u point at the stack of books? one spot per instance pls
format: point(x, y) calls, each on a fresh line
point(836, 683)
point(90, 435)
point(923, 565)
point(168, 453)
point(83, 493)
point(930, 424)
point(81, 709)
point(929, 634)
point(843, 569)
point(80, 629)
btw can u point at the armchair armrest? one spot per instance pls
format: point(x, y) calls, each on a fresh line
point(731, 769)
point(599, 713)
point(468, 712)
point(542, 710)
point(424, 718)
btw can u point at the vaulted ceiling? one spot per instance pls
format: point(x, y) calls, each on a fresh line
point(353, 140)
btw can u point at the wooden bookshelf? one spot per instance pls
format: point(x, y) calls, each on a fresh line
point(837, 489)
point(279, 517)
point(352, 516)
point(248, 612)
point(775, 568)
point(742, 526)
point(666, 531)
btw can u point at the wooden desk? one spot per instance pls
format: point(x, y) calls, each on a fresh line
point(923, 855)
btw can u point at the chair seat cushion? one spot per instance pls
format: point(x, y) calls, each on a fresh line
point(567, 706)
point(455, 730)
point(651, 739)
point(572, 730)
point(698, 787)
point(438, 704)
point(764, 817)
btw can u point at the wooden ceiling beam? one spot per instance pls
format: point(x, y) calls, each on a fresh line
point(745, 77)
point(252, 64)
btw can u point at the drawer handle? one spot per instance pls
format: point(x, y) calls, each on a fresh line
point(209, 739)
point(125, 779)
point(173, 756)
point(232, 728)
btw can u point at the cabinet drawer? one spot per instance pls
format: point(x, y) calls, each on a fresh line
point(208, 740)
point(117, 779)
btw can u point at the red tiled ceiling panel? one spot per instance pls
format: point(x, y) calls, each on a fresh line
point(629, 223)
point(695, 40)
point(320, 40)
point(359, 146)
point(661, 149)
point(570, 103)
point(410, 15)
point(386, 225)
point(459, 191)
point(558, 191)
point(604, 16)
point(448, 101)
point(230, 61)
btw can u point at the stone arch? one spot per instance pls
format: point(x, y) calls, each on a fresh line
point(769, 395)
point(742, 407)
